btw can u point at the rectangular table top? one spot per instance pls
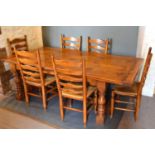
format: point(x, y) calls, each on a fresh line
point(101, 67)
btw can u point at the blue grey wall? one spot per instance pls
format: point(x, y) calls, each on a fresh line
point(124, 38)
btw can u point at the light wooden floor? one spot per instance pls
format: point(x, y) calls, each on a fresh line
point(11, 120)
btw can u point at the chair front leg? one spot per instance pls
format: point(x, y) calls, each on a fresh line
point(26, 94)
point(85, 112)
point(138, 99)
point(95, 101)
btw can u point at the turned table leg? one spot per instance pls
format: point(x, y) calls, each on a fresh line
point(18, 82)
point(101, 86)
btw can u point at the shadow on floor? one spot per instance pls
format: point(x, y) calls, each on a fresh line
point(73, 120)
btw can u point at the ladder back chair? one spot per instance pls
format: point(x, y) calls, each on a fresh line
point(72, 84)
point(98, 45)
point(20, 44)
point(71, 42)
point(134, 93)
point(32, 75)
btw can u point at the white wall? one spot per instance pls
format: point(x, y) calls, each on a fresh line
point(141, 34)
point(34, 35)
point(146, 39)
point(51, 36)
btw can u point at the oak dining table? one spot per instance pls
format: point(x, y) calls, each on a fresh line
point(100, 70)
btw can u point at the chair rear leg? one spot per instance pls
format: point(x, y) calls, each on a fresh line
point(44, 98)
point(112, 105)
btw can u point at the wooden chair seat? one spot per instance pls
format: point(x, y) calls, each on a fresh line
point(70, 94)
point(48, 80)
point(127, 90)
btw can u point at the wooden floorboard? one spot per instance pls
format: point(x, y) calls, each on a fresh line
point(12, 120)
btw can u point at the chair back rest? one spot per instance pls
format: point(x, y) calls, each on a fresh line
point(71, 42)
point(98, 45)
point(145, 70)
point(30, 66)
point(70, 76)
point(20, 44)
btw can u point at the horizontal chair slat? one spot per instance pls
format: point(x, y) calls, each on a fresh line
point(70, 78)
point(27, 61)
point(71, 44)
point(125, 102)
point(28, 67)
point(72, 91)
point(36, 95)
point(97, 47)
point(69, 108)
point(49, 72)
point(35, 75)
point(17, 40)
point(97, 41)
point(71, 39)
point(31, 79)
point(71, 85)
point(130, 110)
point(22, 46)
point(26, 55)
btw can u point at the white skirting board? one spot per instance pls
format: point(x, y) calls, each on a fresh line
point(147, 92)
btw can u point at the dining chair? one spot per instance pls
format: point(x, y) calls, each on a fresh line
point(98, 45)
point(121, 93)
point(32, 75)
point(70, 42)
point(20, 44)
point(72, 84)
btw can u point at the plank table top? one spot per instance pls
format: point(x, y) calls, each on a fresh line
point(102, 67)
